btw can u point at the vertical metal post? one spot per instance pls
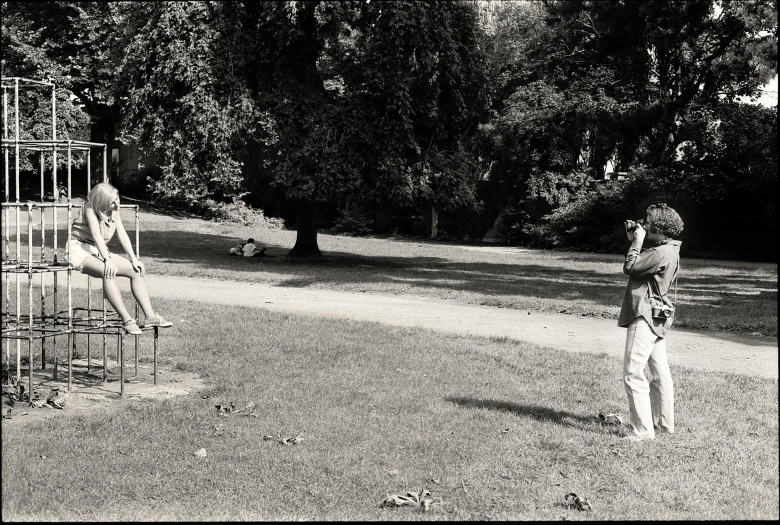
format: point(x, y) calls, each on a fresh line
point(16, 136)
point(5, 217)
point(42, 178)
point(156, 333)
point(18, 235)
point(29, 298)
point(89, 279)
point(105, 360)
point(121, 366)
point(137, 254)
point(55, 318)
point(105, 163)
point(69, 163)
point(5, 136)
point(53, 113)
point(71, 335)
point(89, 320)
point(43, 283)
point(56, 211)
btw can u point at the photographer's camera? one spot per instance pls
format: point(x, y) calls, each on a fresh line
point(632, 225)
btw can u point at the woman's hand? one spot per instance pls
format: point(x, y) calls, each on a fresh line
point(109, 269)
point(637, 233)
point(139, 267)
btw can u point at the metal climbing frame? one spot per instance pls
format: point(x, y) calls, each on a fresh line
point(42, 259)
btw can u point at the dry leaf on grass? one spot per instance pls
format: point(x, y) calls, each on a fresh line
point(201, 453)
point(421, 500)
point(578, 502)
point(224, 410)
point(286, 441)
point(248, 410)
point(610, 419)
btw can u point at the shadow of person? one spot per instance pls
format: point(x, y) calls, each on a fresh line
point(539, 413)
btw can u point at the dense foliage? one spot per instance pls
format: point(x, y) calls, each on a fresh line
point(490, 115)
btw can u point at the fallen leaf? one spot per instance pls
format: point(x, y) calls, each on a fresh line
point(504, 431)
point(292, 440)
point(421, 499)
point(201, 453)
point(223, 410)
point(578, 502)
point(610, 419)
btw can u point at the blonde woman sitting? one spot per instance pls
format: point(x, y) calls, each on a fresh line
point(94, 227)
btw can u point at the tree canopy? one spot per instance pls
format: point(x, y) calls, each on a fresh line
point(410, 105)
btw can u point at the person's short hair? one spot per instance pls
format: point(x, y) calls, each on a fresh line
point(664, 220)
point(250, 241)
point(101, 196)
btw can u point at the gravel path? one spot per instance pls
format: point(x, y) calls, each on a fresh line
point(718, 351)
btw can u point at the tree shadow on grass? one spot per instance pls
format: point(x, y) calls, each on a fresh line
point(209, 252)
point(536, 412)
point(499, 282)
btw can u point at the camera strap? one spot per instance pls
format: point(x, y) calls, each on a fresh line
point(655, 288)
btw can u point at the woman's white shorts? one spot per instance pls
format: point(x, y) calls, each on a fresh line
point(78, 252)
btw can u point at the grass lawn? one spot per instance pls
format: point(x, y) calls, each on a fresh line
point(711, 295)
point(494, 429)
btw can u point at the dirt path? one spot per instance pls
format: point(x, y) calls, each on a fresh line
point(743, 354)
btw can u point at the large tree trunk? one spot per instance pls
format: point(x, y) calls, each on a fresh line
point(306, 224)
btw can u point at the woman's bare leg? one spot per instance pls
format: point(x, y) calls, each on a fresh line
point(94, 267)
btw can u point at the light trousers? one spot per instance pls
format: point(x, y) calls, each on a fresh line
point(650, 403)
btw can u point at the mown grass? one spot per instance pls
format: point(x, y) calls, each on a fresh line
point(505, 428)
point(729, 296)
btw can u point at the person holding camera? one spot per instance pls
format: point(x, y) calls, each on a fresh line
point(648, 313)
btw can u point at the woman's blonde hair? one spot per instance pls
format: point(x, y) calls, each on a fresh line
point(101, 196)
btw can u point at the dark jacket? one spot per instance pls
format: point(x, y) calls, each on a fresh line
point(659, 263)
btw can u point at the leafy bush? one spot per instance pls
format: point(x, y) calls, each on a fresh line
point(353, 223)
point(238, 212)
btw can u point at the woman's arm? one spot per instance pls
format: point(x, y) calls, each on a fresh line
point(638, 265)
point(94, 229)
point(124, 240)
point(109, 268)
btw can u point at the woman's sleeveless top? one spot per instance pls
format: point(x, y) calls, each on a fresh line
point(80, 230)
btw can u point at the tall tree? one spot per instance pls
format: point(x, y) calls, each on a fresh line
point(361, 93)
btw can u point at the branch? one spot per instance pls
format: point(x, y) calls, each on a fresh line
point(592, 26)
